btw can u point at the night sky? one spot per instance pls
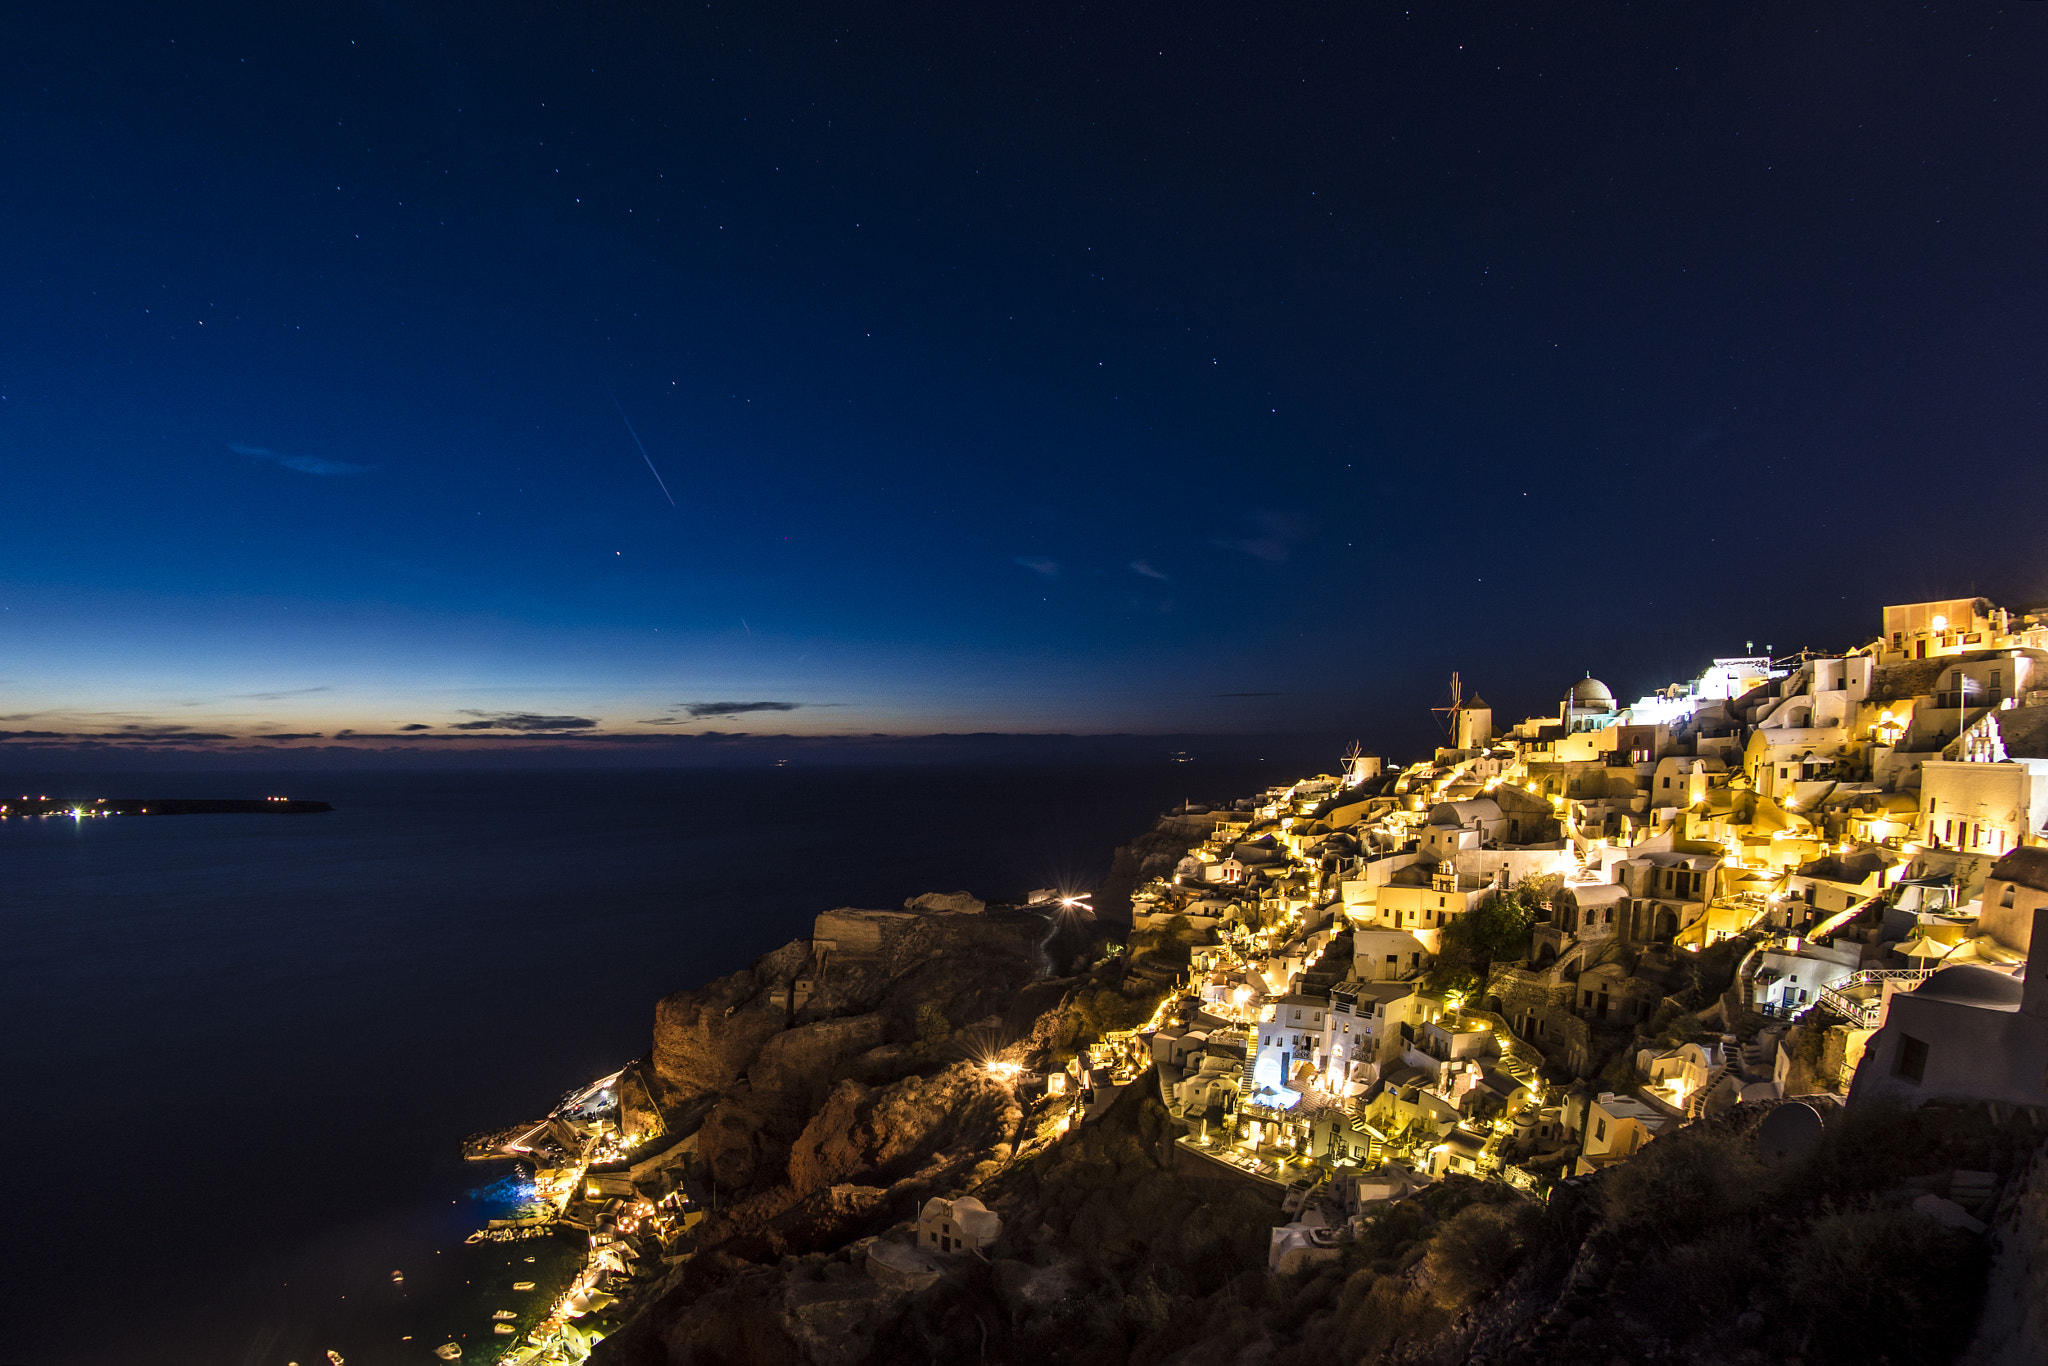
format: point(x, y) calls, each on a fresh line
point(1026, 369)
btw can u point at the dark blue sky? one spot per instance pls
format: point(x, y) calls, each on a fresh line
point(1071, 369)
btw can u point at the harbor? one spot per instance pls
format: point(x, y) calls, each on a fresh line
point(577, 1226)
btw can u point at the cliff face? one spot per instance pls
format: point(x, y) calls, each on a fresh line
point(827, 1091)
point(704, 1039)
point(966, 967)
point(1152, 854)
point(839, 1064)
point(887, 1133)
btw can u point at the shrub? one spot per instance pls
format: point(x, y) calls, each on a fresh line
point(1684, 1183)
point(1704, 1282)
point(933, 1028)
point(1496, 930)
point(1474, 1252)
point(1886, 1283)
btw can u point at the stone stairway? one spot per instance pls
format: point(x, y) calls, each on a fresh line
point(1696, 1103)
point(1973, 1190)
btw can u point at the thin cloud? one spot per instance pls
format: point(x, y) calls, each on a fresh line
point(1140, 567)
point(279, 696)
point(415, 726)
point(142, 732)
point(522, 721)
point(271, 739)
point(1045, 569)
point(704, 711)
point(304, 464)
point(1272, 546)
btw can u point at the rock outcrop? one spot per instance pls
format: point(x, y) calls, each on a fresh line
point(882, 1135)
point(705, 1039)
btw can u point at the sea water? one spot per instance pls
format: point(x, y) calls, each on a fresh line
point(239, 1052)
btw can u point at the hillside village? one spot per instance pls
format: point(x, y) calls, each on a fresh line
point(1534, 952)
point(1665, 1027)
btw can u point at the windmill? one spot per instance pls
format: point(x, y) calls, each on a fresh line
point(1358, 765)
point(1450, 713)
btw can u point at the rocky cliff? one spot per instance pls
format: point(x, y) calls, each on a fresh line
point(814, 1101)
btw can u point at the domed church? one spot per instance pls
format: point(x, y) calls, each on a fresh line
point(1589, 706)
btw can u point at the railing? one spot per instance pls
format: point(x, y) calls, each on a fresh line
point(1867, 1012)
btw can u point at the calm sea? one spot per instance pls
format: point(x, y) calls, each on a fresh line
point(238, 1051)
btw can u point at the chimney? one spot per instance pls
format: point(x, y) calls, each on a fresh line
point(2034, 1000)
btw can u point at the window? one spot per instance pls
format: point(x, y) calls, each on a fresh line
point(1667, 780)
point(1912, 1063)
point(1442, 902)
point(1600, 1130)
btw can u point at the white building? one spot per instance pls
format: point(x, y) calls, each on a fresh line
point(1294, 1035)
point(1967, 1033)
point(1792, 977)
point(2014, 889)
point(1385, 955)
point(1988, 807)
point(962, 1225)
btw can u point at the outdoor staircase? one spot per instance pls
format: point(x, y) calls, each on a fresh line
point(1696, 1103)
point(1755, 1063)
point(1973, 1190)
point(1744, 1055)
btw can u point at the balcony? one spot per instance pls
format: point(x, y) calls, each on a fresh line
point(1859, 999)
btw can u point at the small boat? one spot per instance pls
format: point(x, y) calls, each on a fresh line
point(398, 1278)
point(504, 1330)
point(505, 1315)
point(448, 1351)
point(334, 1357)
point(522, 1285)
